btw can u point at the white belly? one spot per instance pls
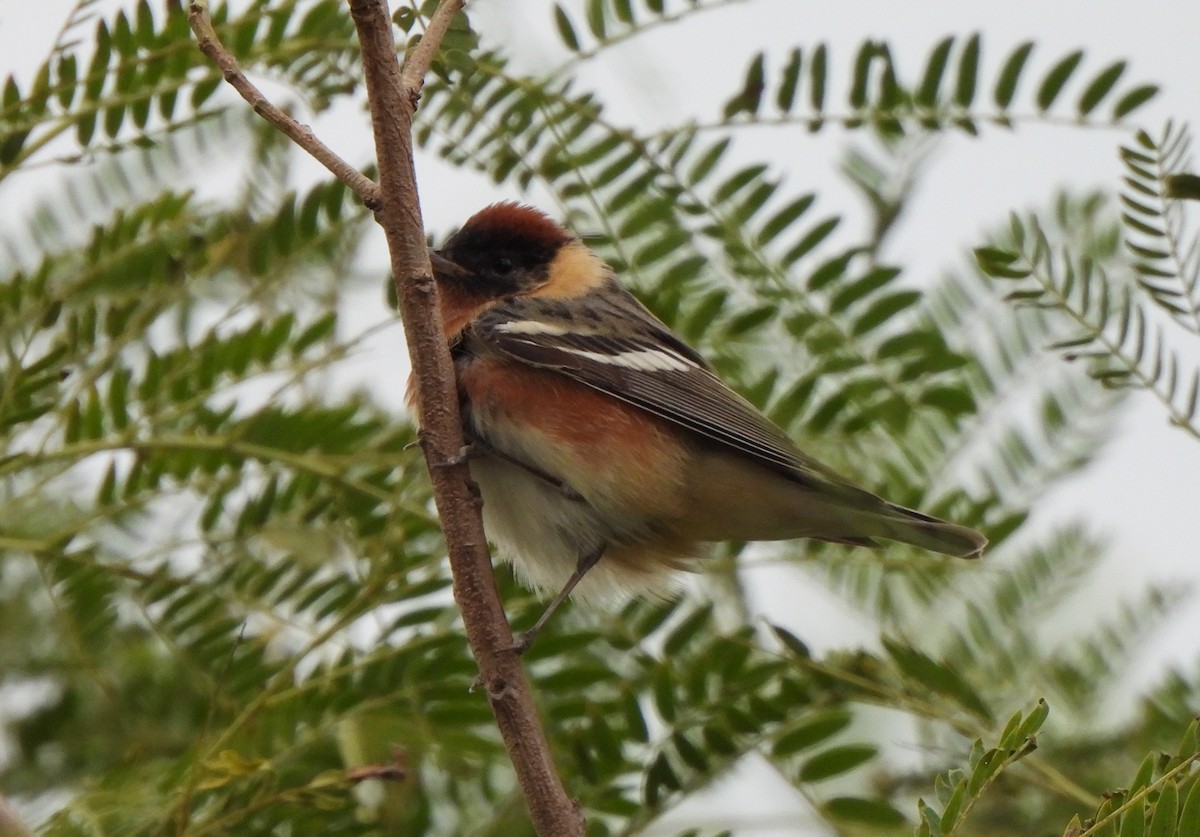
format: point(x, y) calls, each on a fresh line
point(543, 532)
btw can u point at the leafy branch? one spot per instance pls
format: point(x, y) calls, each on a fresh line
point(1112, 330)
point(1166, 260)
point(958, 790)
point(944, 97)
point(1151, 804)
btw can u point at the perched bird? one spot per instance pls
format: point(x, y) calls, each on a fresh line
point(605, 448)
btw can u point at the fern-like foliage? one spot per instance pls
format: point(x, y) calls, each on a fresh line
point(958, 790)
point(138, 74)
point(1162, 798)
point(1111, 308)
point(947, 93)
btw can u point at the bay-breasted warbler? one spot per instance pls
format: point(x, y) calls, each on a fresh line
point(605, 448)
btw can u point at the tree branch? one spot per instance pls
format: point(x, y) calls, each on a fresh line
point(206, 38)
point(392, 95)
point(418, 59)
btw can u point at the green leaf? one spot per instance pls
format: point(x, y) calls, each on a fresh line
point(1189, 744)
point(1133, 824)
point(204, 89)
point(113, 118)
point(315, 332)
point(635, 721)
point(870, 812)
point(935, 70)
point(683, 634)
point(1100, 87)
point(836, 761)
point(596, 18)
point(1166, 812)
point(10, 147)
point(862, 74)
point(951, 400)
point(1000, 263)
point(1133, 100)
point(122, 34)
point(668, 243)
point(829, 272)
point(1058, 76)
point(792, 642)
point(968, 72)
point(1030, 726)
point(1010, 75)
point(936, 676)
point(719, 741)
point(566, 30)
point(1145, 773)
point(145, 24)
point(93, 416)
point(810, 730)
point(784, 218)
point(663, 688)
point(708, 161)
point(954, 805)
point(738, 181)
point(789, 81)
point(749, 98)
point(929, 825)
point(1109, 829)
point(1189, 818)
point(749, 321)
point(861, 288)
point(659, 778)
point(73, 424)
point(883, 309)
point(97, 72)
point(818, 71)
point(984, 770)
point(811, 239)
point(689, 753)
point(118, 402)
point(67, 80)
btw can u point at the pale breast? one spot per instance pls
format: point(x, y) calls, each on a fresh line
point(627, 469)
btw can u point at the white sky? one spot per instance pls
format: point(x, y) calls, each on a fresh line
point(1143, 491)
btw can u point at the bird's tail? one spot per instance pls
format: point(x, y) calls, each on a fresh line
point(913, 527)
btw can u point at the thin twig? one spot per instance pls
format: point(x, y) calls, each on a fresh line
point(418, 60)
point(392, 96)
point(302, 135)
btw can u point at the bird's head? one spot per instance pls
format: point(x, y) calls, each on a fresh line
point(509, 249)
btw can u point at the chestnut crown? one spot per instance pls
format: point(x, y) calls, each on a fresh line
point(505, 248)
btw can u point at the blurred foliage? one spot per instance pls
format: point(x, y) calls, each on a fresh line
point(223, 601)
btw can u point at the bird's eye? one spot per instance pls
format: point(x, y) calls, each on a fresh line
point(503, 265)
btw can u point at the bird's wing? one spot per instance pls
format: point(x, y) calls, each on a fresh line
point(610, 342)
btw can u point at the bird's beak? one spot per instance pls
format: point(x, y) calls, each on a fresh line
point(443, 268)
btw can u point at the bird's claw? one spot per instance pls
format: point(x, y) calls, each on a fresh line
point(461, 458)
point(522, 642)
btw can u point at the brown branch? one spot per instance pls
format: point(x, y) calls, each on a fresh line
point(302, 135)
point(392, 96)
point(418, 59)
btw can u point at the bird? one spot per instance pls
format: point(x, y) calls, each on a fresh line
point(606, 450)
